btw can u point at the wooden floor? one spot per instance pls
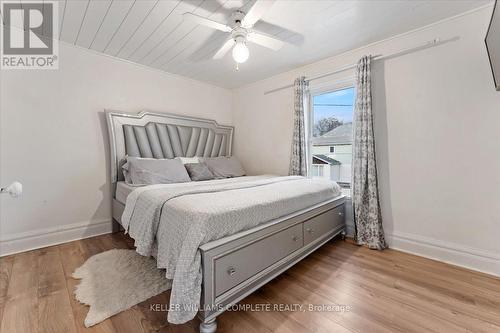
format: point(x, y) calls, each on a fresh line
point(385, 291)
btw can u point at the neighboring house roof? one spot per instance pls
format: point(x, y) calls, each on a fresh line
point(339, 135)
point(323, 159)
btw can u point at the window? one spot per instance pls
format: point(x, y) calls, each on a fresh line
point(331, 121)
point(317, 171)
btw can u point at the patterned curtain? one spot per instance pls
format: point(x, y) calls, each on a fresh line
point(298, 161)
point(365, 200)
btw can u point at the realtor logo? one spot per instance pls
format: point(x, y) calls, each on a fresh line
point(29, 38)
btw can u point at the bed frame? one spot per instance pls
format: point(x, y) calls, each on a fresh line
point(235, 266)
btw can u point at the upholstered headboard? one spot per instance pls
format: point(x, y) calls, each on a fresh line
point(163, 135)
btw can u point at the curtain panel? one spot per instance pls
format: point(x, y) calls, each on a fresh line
point(365, 197)
point(298, 160)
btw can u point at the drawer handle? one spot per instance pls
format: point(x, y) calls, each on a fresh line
point(340, 213)
point(295, 238)
point(231, 271)
point(309, 230)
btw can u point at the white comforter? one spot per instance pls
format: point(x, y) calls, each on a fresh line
point(179, 218)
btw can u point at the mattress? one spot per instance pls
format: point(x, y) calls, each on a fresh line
point(123, 190)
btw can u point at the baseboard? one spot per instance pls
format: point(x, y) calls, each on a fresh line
point(448, 252)
point(31, 240)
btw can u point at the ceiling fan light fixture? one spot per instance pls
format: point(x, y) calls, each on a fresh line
point(241, 29)
point(240, 52)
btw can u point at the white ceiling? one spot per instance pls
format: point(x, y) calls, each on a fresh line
point(153, 32)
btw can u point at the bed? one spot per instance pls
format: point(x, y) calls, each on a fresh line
point(218, 240)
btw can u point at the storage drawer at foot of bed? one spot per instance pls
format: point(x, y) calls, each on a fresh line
point(237, 266)
point(323, 224)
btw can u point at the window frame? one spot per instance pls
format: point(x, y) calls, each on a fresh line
point(320, 89)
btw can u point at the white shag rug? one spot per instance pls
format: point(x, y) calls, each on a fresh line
point(116, 280)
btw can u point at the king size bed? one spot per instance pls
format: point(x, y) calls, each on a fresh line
point(218, 240)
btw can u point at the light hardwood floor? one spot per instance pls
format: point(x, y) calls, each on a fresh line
point(387, 291)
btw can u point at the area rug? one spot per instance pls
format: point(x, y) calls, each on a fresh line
point(116, 280)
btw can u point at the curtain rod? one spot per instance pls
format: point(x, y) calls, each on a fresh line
point(434, 42)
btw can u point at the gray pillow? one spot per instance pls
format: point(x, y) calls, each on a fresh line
point(148, 171)
point(126, 173)
point(224, 167)
point(199, 171)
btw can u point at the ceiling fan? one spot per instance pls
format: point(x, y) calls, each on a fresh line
point(241, 31)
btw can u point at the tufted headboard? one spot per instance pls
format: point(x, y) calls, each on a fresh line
point(163, 135)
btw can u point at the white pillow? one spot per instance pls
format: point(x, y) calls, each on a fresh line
point(186, 160)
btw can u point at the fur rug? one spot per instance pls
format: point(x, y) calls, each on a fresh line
point(116, 280)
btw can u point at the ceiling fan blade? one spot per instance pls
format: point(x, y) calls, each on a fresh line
point(206, 22)
point(265, 40)
point(224, 49)
point(259, 8)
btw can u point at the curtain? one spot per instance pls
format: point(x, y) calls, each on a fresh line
point(298, 160)
point(365, 198)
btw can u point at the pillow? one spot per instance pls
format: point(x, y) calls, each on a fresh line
point(185, 160)
point(199, 171)
point(126, 173)
point(148, 171)
point(224, 167)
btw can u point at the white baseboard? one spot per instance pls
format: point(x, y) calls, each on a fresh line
point(452, 253)
point(31, 240)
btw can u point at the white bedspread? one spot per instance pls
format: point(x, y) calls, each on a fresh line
point(179, 218)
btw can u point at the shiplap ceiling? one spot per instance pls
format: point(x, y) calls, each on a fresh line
point(153, 32)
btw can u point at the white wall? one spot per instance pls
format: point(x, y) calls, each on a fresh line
point(54, 139)
point(437, 126)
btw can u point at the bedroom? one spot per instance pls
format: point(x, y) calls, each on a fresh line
point(242, 118)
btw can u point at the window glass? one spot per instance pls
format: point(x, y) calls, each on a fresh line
point(332, 114)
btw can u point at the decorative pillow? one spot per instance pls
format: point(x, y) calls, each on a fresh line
point(224, 167)
point(199, 171)
point(126, 173)
point(186, 160)
point(148, 171)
